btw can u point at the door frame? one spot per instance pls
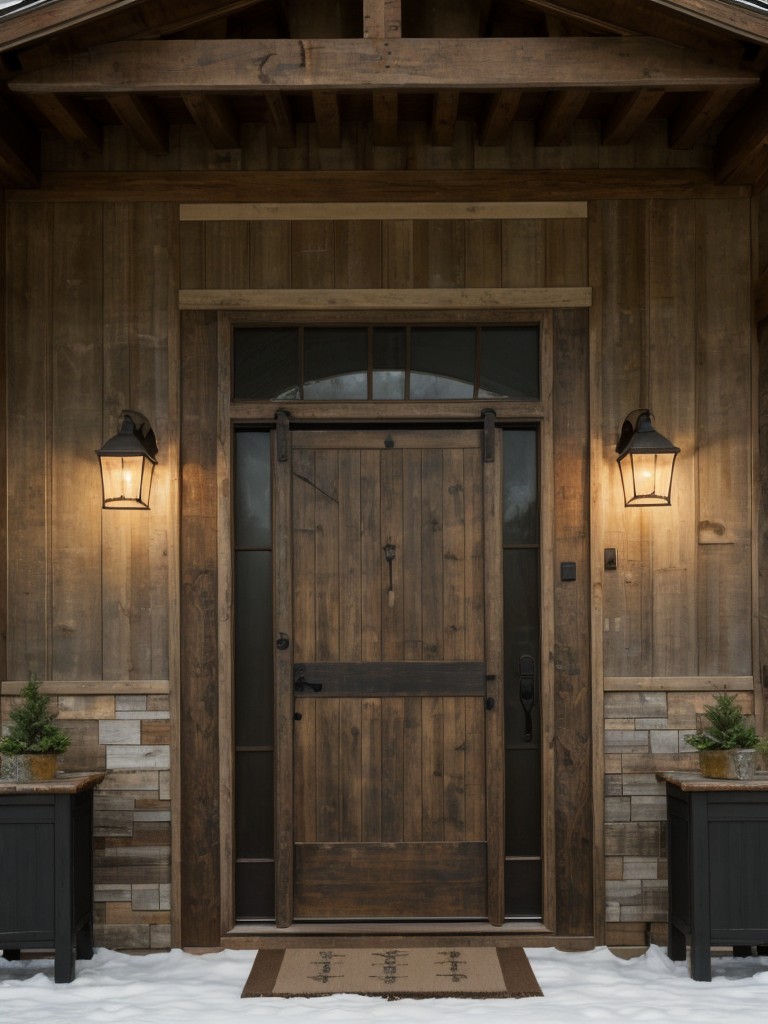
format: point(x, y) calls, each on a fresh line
point(233, 414)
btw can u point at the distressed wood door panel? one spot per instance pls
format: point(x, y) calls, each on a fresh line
point(389, 738)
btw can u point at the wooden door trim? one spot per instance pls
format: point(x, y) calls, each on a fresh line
point(494, 667)
point(370, 414)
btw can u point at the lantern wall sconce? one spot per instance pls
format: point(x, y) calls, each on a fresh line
point(646, 461)
point(127, 463)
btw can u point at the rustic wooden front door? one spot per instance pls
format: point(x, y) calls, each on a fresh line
point(394, 744)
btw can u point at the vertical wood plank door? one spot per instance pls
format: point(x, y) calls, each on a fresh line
point(392, 738)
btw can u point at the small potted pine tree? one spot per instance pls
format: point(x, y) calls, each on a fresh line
point(726, 741)
point(29, 748)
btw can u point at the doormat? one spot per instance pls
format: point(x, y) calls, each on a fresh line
point(477, 972)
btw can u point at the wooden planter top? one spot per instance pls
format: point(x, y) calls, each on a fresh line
point(65, 782)
point(694, 782)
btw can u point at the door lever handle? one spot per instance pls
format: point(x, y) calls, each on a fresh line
point(300, 683)
point(527, 693)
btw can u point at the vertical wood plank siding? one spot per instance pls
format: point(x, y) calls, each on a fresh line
point(90, 301)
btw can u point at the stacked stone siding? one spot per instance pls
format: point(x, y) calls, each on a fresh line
point(644, 733)
point(128, 735)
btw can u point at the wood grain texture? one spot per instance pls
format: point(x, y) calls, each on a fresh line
point(199, 640)
point(394, 879)
point(572, 682)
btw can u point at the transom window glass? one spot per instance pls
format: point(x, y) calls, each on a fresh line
point(327, 363)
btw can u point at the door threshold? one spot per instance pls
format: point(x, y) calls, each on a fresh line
point(257, 935)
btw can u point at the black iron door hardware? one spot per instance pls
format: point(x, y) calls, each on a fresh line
point(527, 693)
point(300, 683)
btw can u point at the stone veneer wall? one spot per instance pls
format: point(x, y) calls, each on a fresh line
point(644, 733)
point(127, 734)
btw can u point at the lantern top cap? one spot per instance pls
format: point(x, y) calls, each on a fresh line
point(642, 438)
point(135, 438)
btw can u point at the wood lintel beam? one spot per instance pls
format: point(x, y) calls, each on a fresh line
point(245, 65)
point(376, 186)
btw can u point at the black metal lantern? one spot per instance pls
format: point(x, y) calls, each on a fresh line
point(127, 463)
point(646, 462)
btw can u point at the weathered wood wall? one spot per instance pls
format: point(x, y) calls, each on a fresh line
point(93, 327)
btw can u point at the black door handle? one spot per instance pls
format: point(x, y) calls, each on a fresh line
point(527, 693)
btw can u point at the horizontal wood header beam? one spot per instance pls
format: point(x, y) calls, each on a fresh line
point(374, 186)
point(381, 211)
point(385, 298)
point(660, 684)
point(256, 65)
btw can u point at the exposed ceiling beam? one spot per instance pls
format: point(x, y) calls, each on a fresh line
point(68, 116)
point(560, 111)
point(385, 118)
point(328, 118)
point(741, 156)
point(629, 114)
point(247, 65)
point(498, 119)
point(382, 19)
point(577, 13)
point(142, 119)
point(445, 110)
point(281, 119)
point(19, 151)
point(215, 118)
point(697, 113)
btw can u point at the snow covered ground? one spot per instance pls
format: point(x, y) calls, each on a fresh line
point(179, 988)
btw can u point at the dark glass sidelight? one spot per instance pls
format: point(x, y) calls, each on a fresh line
point(253, 676)
point(522, 728)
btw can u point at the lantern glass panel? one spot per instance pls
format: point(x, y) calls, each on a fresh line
point(127, 480)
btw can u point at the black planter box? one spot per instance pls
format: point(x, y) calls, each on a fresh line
point(46, 869)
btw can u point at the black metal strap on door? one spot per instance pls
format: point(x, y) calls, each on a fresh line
point(283, 426)
point(489, 435)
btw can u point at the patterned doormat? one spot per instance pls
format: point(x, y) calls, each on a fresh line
point(477, 972)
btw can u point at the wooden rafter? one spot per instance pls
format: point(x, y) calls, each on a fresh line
point(385, 118)
point(215, 118)
point(382, 19)
point(68, 116)
point(142, 119)
point(247, 65)
point(281, 118)
point(697, 113)
point(445, 110)
point(328, 118)
point(498, 120)
point(629, 113)
point(560, 111)
point(748, 23)
point(741, 156)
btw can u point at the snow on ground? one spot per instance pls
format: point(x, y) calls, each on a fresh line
point(180, 988)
